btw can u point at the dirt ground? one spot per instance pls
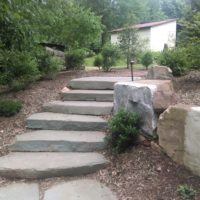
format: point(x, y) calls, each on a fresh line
point(143, 173)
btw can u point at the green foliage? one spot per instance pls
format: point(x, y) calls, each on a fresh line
point(18, 69)
point(26, 23)
point(74, 59)
point(98, 61)
point(190, 33)
point(176, 59)
point(129, 44)
point(186, 192)
point(16, 32)
point(9, 108)
point(147, 59)
point(69, 24)
point(48, 64)
point(124, 127)
point(174, 8)
point(110, 54)
point(193, 52)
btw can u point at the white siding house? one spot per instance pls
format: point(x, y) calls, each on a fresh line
point(155, 35)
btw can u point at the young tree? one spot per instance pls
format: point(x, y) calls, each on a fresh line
point(129, 44)
point(110, 54)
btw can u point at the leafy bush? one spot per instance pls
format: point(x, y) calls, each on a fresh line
point(18, 69)
point(98, 61)
point(124, 127)
point(147, 59)
point(9, 108)
point(186, 192)
point(156, 56)
point(176, 59)
point(193, 52)
point(48, 64)
point(110, 54)
point(74, 59)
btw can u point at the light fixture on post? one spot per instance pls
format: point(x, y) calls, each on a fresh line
point(132, 63)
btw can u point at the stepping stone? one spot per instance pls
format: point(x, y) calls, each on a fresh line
point(58, 121)
point(79, 107)
point(98, 83)
point(20, 191)
point(59, 141)
point(85, 189)
point(88, 95)
point(45, 165)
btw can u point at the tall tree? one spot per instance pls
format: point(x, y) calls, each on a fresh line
point(115, 13)
point(195, 5)
point(153, 11)
point(174, 8)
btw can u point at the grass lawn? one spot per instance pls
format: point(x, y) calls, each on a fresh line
point(120, 64)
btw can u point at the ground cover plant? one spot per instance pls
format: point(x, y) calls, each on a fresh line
point(186, 192)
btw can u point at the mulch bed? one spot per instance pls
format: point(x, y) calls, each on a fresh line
point(140, 174)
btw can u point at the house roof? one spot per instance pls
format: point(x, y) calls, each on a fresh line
point(145, 25)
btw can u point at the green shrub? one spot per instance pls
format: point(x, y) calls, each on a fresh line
point(74, 59)
point(9, 108)
point(98, 61)
point(176, 59)
point(48, 64)
point(193, 52)
point(156, 56)
point(147, 59)
point(110, 54)
point(124, 127)
point(186, 192)
point(17, 68)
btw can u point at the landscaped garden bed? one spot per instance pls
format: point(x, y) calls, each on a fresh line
point(143, 172)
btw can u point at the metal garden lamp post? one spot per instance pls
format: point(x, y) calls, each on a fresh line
point(132, 63)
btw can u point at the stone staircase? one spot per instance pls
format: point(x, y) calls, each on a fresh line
point(66, 135)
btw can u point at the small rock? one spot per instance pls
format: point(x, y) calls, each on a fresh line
point(159, 169)
point(155, 147)
point(141, 139)
point(65, 89)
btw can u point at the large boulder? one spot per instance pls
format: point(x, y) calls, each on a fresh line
point(57, 53)
point(146, 97)
point(179, 135)
point(159, 73)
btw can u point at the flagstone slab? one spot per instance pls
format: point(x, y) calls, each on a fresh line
point(59, 141)
point(45, 164)
point(85, 189)
point(20, 191)
point(98, 83)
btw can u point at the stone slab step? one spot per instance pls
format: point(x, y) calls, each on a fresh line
point(20, 191)
point(88, 95)
point(79, 107)
point(59, 141)
point(45, 165)
point(98, 83)
point(84, 189)
point(58, 121)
